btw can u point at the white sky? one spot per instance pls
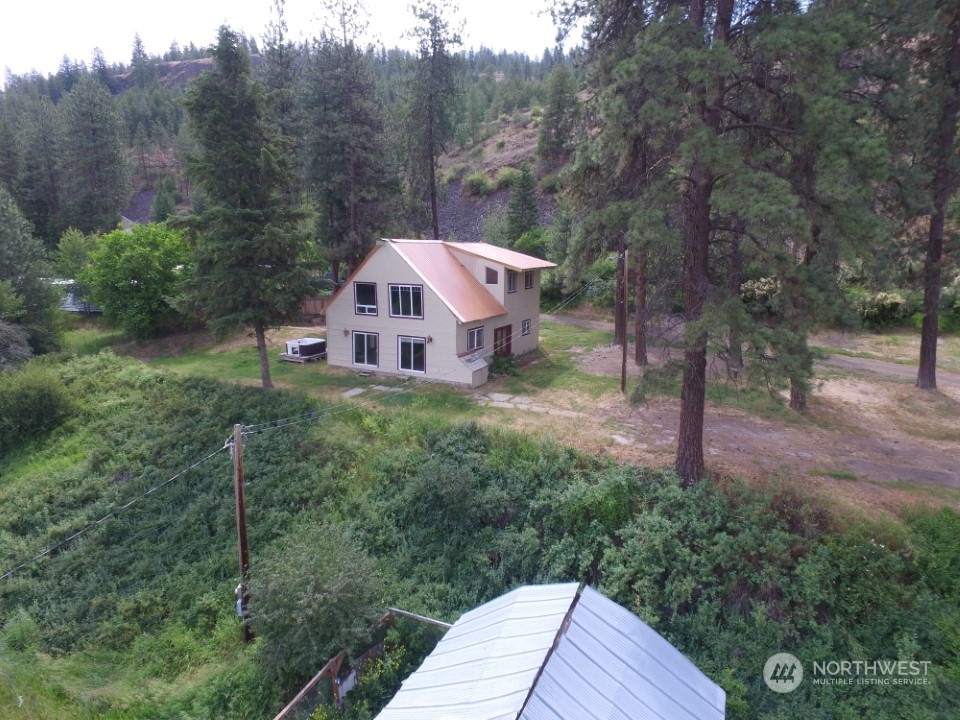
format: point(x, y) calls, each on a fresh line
point(36, 34)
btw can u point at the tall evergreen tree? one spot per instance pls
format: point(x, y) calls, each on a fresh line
point(24, 269)
point(706, 135)
point(280, 63)
point(915, 74)
point(9, 156)
point(94, 172)
point(522, 210)
point(38, 186)
point(431, 103)
point(556, 135)
point(245, 260)
point(346, 157)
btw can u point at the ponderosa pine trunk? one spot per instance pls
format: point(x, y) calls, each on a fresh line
point(944, 185)
point(696, 248)
point(690, 464)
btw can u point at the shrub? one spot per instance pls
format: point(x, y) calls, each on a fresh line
point(315, 593)
point(503, 365)
point(33, 401)
point(551, 184)
point(882, 309)
point(476, 184)
point(20, 632)
point(506, 178)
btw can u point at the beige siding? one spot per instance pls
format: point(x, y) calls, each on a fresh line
point(478, 268)
point(523, 305)
point(438, 325)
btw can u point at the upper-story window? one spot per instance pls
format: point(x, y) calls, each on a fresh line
point(406, 301)
point(511, 281)
point(475, 339)
point(528, 279)
point(493, 277)
point(365, 298)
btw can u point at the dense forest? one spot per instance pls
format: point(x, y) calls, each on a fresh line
point(759, 170)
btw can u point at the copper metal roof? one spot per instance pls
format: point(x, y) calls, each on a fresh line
point(460, 291)
point(511, 258)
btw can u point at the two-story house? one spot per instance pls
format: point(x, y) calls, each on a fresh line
point(437, 310)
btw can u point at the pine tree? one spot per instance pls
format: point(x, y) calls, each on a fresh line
point(556, 136)
point(94, 172)
point(38, 186)
point(522, 210)
point(280, 70)
point(346, 157)
point(245, 268)
point(915, 72)
point(25, 271)
point(713, 125)
point(430, 110)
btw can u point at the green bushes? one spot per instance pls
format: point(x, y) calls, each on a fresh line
point(361, 510)
point(882, 309)
point(33, 401)
point(477, 184)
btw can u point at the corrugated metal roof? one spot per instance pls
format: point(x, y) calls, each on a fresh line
point(460, 291)
point(511, 258)
point(611, 665)
point(607, 665)
point(484, 666)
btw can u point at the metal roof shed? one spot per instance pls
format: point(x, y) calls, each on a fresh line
point(548, 653)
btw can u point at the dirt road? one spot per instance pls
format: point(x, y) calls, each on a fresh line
point(867, 426)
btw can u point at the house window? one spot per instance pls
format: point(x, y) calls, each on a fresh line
point(365, 349)
point(493, 277)
point(475, 339)
point(406, 301)
point(412, 355)
point(528, 279)
point(511, 281)
point(365, 297)
point(525, 327)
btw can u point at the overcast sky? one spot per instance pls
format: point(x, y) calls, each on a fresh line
point(36, 34)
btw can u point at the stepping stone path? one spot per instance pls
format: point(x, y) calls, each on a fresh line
point(506, 401)
point(352, 392)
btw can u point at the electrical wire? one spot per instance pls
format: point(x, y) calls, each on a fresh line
point(111, 514)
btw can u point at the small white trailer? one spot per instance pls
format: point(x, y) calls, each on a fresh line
point(304, 350)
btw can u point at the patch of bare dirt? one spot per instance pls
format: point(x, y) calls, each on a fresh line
point(859, 428)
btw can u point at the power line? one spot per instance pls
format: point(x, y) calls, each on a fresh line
point(111, 514)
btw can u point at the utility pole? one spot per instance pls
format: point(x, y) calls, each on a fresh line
point(241, 531)
point(622, 312)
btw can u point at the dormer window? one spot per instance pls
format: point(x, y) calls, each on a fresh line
point(493, 277)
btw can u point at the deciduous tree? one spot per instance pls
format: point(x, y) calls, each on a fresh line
point(134, 277)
